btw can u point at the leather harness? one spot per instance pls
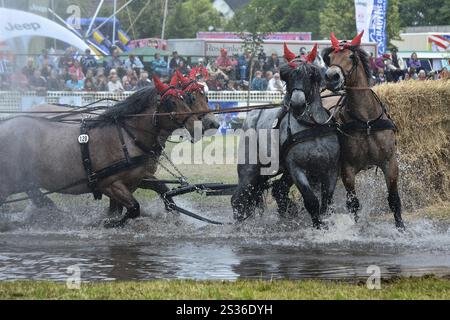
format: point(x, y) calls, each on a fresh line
point(119, 166)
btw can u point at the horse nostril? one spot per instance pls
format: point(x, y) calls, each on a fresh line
point(336, 77)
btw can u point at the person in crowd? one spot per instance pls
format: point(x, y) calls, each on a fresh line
point(443, 74)
point(273, 63)
point(262, 55)
point(66, 61)
point(175, 61)
point(74, 84)
point(422, 75)
point(159, 65)
point(373, 64)
point(19, 81)
point(224, 63)
point(101, 81)
point(143, 81)
point(276, 84)
point(414, 62)
point(381, 77)
point(259, 83)
point(65, 75)
point(28, 70)
point(269, 76)
point(114, 62)
point(45, 60)
point(38, 82)
point(412, 74)
point(46, 69)
point(183, 68)
point(114, 84)
point(89, 85)
point(53, 82)
point(131, 74)
point(133, 62)
point(77, 69)
point(88, 61)
point(243, 65)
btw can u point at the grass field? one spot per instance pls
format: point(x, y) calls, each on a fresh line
point(406, 288)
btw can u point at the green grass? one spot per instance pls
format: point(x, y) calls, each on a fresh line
point(405, 288)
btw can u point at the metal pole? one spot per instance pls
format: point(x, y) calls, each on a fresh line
point(163, 31)
point(114, 23)
point(93, 19)
point(110, 17)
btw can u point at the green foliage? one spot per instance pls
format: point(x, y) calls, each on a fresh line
point(338, 16)
point(190, 17)
point(424, 13)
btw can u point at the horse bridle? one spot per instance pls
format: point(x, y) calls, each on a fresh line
point(172, 115)
point(355, 62)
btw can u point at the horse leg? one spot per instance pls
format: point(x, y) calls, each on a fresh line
point(280, 192)
point(114, 207)
point(328, 186)
point(39, 199)
point(123, 196)
point(309, 198)
point(390, 170)
point(245, 198)
point(348, 179)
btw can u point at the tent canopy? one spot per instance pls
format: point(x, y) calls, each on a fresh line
point(21, 24)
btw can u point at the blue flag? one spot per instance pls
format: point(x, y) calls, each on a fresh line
point(377, 27)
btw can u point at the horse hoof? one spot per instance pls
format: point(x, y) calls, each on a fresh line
point(400, 226)
point(113, 224)
point(319, 225)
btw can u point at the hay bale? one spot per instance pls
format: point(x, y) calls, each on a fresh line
point(421, 110)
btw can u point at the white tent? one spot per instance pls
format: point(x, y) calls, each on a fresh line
point(16, 24)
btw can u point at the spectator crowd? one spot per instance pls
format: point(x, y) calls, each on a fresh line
point(82, 72)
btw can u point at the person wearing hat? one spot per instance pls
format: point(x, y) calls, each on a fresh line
point(88, 61)
point(224, 63)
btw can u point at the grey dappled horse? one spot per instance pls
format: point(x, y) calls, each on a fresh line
point(46, 154)
point(311, 165)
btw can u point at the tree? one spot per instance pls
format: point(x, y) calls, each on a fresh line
point(191, 16)
point(424, 13)
point(393, 21)
point(338, 16)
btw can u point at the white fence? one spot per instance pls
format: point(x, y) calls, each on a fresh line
point(20, 101)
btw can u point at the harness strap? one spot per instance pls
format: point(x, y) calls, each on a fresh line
point(308, 134)
point(87, 163)
point(122, 142)
point(379, 125)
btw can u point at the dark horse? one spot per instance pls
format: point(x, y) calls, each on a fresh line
point(46, 154)
point(309, 155)
point(368, 137)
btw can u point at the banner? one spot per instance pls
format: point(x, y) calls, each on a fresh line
point(287, 36)
point(371, 16)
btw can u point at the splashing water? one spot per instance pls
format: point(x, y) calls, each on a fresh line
point(41, 244)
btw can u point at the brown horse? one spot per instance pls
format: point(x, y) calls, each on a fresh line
point(197, 100)
point(368, 137)
point(46, 154)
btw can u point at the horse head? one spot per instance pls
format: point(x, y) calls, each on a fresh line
point(172, 102)
point(302, 78)
point(197, 99)
point(342, 58)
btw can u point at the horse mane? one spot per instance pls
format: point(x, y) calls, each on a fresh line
point(362, 55)
point(134, 104)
